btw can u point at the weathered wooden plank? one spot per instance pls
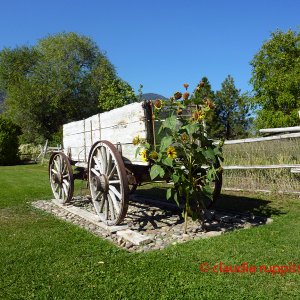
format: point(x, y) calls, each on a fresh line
point(280, 129)
point(131, 113)
point(119, 126)
point(73, 127)
point(123, 134)
point(282, 166)
point(262, 139)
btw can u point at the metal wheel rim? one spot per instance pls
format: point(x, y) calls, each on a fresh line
point(108, 183)
point(61, 177)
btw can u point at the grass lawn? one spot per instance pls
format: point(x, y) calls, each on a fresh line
point(42, 257)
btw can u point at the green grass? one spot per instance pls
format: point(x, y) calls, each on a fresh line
point(262, 153)
point(42, 257)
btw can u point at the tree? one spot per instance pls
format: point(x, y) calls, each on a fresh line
point(276, 80)
point(55, 82)
point(202, 94)
point(9, 142)
point(1, 101)
point(232, 112)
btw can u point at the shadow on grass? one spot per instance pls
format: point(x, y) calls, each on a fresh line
point(256, 204)
point(247, 204)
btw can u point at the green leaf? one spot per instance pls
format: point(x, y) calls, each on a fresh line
point(168, 162)
point(209, 154)
point(170, 122)
point(175, 178)
point(191, 128)
point(207, 191)
point(176, 198)
point(165, 143)
point(137, 151)
point(169, 193)
point(155, 171)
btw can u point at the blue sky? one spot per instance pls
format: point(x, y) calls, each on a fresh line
point(159, 43)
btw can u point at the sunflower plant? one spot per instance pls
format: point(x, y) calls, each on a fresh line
point(183, 154)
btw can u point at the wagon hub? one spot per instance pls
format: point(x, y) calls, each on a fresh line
point(101, 183)
point(57, 177)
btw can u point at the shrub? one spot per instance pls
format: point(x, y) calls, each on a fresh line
point(9, 142)
point(29, 151)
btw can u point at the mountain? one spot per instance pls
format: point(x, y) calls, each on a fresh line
point(153, 96)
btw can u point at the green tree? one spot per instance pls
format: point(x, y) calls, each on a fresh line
point(9, 142)
point(55, 82)
point(232, 112)
point(115, 92)
point(202, 94)
point(276, 80)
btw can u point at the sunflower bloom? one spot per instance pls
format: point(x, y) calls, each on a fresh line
point(210, 104)
point(177, 95)
point(136, 140)
point(144, 155)
point(171, 152)
point(185, 96)
point(185, 85)
point(153, 155)
point(158, 104)
point(184, 137)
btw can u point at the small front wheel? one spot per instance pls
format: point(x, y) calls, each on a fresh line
point(61, 177)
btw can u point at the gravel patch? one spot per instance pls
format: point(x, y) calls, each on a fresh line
point(160, 222)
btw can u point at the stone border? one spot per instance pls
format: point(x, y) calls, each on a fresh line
point(149, 224)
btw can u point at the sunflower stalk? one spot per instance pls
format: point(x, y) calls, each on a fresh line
point(183, 153)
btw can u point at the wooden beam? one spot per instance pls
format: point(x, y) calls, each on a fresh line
point(262, 139)
point(280, 129)
point(282, 166)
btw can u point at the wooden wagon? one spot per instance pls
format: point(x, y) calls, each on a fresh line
point(101, 149)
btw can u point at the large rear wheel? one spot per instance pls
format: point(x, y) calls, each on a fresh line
point(108, 183)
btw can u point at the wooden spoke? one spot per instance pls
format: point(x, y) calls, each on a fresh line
point(112, 209)
point(115, 191)
point(61, 177)
point(108, 183)
point(112, 172)
point(95, 172)
point(114, 201)
point(54, 171)
point(98, 164)
point(114, 181)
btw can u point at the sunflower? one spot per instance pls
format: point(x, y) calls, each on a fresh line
point(184, 137)
point(144, 155)
point(186, 86)
point(197, 115)
point(210, 104)
point(179, 111)
point(136, 140)
point(177, 95)
point(185, 96)
point(153, 155)
point(158, 104)
point(171, 152)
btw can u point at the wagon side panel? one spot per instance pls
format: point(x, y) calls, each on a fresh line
point(121, 125)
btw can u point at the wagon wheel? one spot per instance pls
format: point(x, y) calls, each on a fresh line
point(108, 183)
point(61, 177)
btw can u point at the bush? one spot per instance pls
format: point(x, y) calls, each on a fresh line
point(29, 151)
point(9, 142)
